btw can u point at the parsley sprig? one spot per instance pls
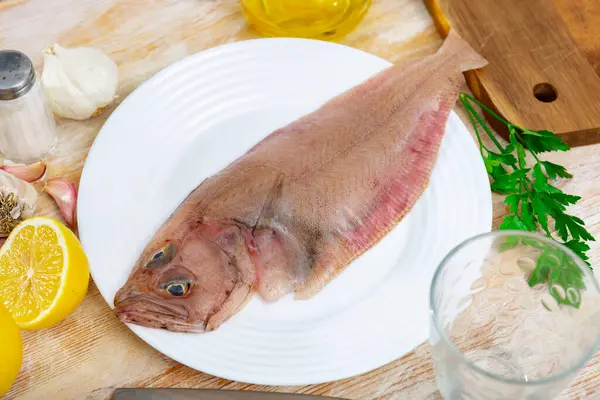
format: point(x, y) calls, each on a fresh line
point(532, 200)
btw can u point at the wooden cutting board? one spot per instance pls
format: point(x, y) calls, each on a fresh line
point(544, 70)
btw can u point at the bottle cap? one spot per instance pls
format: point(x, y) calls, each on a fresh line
point(16, 74)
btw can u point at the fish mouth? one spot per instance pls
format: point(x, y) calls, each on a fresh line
point(158, 321)
point(144, 311)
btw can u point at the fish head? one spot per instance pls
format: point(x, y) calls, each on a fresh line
point(188, 283)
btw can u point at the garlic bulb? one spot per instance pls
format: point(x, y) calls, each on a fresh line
point(18, 200)
point(79, 82)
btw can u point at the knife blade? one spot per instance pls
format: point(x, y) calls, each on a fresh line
point(207, 394)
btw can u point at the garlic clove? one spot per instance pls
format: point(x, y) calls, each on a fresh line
point(15, 213)
point(29, 173)
point(79, 82)
point(64, 194)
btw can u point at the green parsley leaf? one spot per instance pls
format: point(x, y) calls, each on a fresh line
point(564, 199)
point(561, 228)
point(509, 149)
point(554, 170)
point(519, 147)
point(493, 163)
point(513, 222)
point(543, 141)
point(512, 201)
point(507, 159)
point(527, 215)
point(490, 164)
point(540, 181)
point(508, 183)
point(541, 211)
point(578, 248)
point(577, 228)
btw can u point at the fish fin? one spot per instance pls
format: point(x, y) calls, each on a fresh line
point(266, 213)
point(394, 198)
point(468, 57)
point(237, 300)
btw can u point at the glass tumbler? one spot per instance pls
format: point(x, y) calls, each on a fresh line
point(514, 316)
point(315, 19)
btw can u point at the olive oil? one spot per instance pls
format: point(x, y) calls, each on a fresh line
point(314, 19)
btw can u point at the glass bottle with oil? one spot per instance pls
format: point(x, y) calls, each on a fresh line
point(314, 19)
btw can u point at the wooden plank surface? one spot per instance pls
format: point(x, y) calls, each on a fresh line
point(544, 57)
point(582, 19)
point(91, 352)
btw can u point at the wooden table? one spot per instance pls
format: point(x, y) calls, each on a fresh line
point(91, 352)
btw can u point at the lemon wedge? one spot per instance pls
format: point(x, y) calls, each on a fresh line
point(11, 348)
point(44, 273)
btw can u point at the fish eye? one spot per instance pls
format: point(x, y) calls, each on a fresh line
point(162, 257)
point(178, 289)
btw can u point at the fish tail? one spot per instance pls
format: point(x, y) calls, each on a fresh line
point(467, 57)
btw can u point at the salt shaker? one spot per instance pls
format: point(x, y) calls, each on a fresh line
point(27, 127)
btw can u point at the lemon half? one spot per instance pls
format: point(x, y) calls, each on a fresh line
point(44, 273)
point(11, 350)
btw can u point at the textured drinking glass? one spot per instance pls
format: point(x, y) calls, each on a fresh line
point(494, 336)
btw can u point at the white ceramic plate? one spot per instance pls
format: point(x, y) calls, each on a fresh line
point(195, 117)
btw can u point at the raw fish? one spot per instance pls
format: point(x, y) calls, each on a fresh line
point(297, 208)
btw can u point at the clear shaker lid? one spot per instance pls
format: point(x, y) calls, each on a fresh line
point(16, 74)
